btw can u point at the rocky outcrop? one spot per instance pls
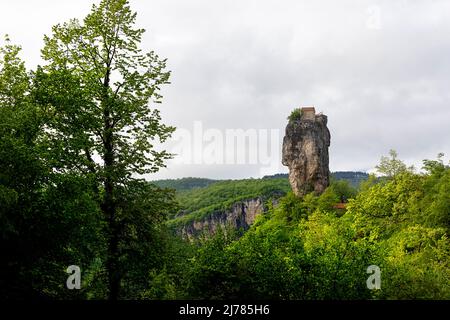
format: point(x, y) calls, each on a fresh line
point(242, 214)
point(305, 152)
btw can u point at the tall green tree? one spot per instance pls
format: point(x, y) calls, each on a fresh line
point(96, 89)
point(391, 166)
point(20, 171)
point(40, 212)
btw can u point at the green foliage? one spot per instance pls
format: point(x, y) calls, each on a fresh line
point(20, 171)
point(295, 115)
point(315, 258)
point(436, 203)
point(337, 258)
point(343, 190)
point(210, 275)
point(95, 92)
point(201, 202)
point(368, 183)
point(391, 166)
point(327, 200)
point(41, 212)
point(416, 264)
point(76, 136)
point(97, 86)
point(353, 177)
point(143, 237)
point(303, 249)
point(183, 184)
point(409, 220)
point(292, 207)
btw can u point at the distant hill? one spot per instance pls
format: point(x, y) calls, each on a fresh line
point(353, 177)
point(184, 184)
point(276, 176)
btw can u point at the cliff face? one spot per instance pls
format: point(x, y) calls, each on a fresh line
point(305, 152)
point(241, 215)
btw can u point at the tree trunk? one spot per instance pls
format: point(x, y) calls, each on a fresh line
point(109, 210)
point(113, 242)
point(109, 205)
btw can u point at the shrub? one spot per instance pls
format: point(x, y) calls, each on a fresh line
point(295, 115)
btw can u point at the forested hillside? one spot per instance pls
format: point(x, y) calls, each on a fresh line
point(199, 197)
point(307, 249)
point(183, 184)
point(196, 204)
point(199, 201)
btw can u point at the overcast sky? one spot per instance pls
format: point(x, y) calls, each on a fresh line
point(380, 70)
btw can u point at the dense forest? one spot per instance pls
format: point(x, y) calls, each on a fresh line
point(306, 248)
point(77, 136)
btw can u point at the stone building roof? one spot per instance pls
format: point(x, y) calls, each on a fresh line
point(308, 109)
